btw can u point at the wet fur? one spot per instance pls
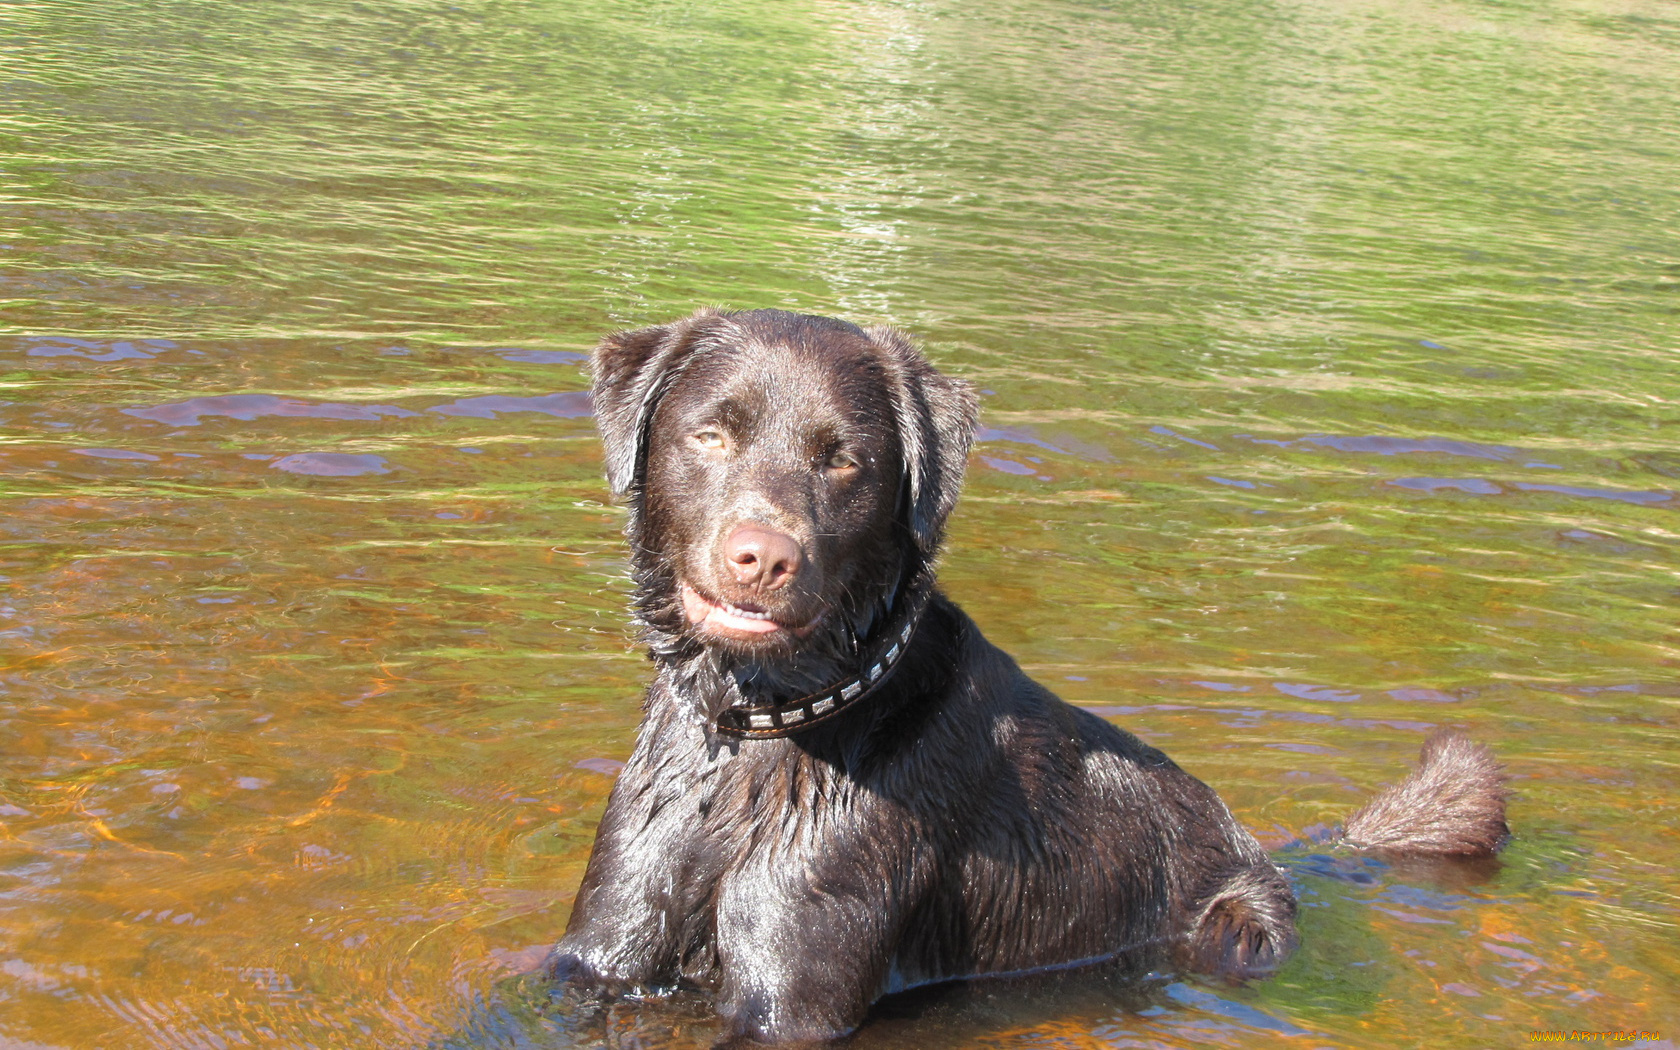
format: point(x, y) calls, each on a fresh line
point(1452, 805)
point(964, 821)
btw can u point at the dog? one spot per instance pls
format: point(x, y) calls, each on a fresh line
point(839, 789)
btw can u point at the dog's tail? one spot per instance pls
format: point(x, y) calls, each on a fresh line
point(1452, 805)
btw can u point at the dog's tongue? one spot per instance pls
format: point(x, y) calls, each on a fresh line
point(702, 612)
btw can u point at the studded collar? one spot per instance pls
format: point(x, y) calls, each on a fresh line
point(771, 721)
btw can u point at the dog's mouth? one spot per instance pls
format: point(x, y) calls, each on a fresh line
point(744, 622)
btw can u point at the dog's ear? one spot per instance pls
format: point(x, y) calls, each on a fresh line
point(936, 417)
point(631, 371)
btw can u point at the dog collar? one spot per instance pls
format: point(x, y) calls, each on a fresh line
point(770, 721)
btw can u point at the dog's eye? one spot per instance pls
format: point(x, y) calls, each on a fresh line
point(712, 439)
point(840, 461)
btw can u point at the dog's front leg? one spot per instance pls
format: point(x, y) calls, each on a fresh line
point(638, 890)
point(804, 947)
point(622, 937)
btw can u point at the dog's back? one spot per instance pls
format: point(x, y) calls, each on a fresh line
point(1061, 837)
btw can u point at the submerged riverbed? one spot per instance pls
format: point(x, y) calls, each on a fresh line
point(1327, 354)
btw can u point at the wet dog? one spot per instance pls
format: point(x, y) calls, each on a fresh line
point(839, 789)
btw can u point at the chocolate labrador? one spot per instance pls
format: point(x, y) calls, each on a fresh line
point(839, 788)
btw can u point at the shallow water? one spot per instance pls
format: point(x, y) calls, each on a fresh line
point(1327, 357)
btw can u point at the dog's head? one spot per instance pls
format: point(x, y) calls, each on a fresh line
point(785, 474)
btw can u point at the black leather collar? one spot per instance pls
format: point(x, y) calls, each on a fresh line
point(770, 721)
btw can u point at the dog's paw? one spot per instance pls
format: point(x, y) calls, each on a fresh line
point(756, 1021)
point(575, 970)
point(1247, 928)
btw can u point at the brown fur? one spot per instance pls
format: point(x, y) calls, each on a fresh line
point(963, 821)
point(1452, 804)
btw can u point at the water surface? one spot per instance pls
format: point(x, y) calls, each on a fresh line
point(1326, 353)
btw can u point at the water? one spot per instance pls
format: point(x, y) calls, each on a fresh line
point(1327, 352)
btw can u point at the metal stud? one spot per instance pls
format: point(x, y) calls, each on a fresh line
point(851, 690)
point(762, 722)
point(793, 717)
point(822, 705)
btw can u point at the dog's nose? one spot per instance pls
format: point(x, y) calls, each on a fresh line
point(761, 557)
